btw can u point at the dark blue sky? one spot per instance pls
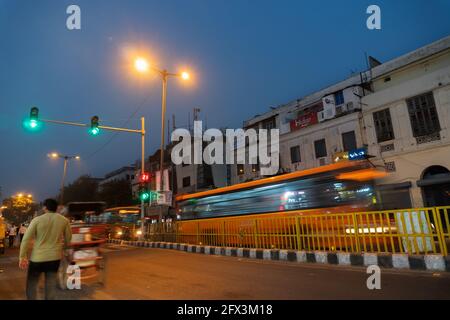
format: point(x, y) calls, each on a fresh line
point(246, 56)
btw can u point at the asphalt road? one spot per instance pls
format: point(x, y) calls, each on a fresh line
point(137, 273)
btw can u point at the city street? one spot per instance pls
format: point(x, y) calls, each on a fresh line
point(137, 273)
point(250, 151)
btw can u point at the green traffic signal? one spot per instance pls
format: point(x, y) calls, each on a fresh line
point(144, 196)
point(94, 130)
point(33, 122)
point(154, 196)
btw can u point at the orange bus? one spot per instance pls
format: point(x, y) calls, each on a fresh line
point(342, 187)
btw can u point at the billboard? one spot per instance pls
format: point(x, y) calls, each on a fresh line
point(304, 121)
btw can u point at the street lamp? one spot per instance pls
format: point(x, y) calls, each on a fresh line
point(142, 65)
point(55, 155)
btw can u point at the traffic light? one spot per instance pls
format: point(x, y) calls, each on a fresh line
point(154, 196)
point(94, 130)
point(33, 122)
point(145, 177)
point(144, 193)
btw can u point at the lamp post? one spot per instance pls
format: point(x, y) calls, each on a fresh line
point(55, 155)
point(143, 66)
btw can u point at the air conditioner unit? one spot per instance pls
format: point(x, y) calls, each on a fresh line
point(321, 116)
point(350, 106)
point(329, 107)
point(341, 109)
point(330, 112)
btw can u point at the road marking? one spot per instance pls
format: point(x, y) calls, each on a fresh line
point(112, 247)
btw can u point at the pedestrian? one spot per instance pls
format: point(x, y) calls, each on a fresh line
point(47, 231)
point(12, 235)
point(22, 231)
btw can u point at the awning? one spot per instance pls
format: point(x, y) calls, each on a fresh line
point(437, 179)
point(394, 186)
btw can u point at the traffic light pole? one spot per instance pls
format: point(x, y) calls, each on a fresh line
point(142, 172)
point(63, 180)
point(141, 132)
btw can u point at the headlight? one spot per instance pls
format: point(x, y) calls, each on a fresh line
point(139, 232)
point(119, 233)
point(369, 230)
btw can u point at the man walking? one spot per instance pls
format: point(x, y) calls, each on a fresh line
point(12, 235)
point(47, 230)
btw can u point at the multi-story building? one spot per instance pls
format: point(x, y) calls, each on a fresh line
point(197, 177)
point(407, 120)
point(398, 111)
point(313, 129)
point(125, 173)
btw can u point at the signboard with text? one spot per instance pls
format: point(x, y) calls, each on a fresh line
point(304, 121)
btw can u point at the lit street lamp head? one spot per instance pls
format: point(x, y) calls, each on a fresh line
point(141, 65)
point(185, 75)
point(53, 155)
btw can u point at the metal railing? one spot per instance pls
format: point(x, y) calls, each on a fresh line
point(413, 231)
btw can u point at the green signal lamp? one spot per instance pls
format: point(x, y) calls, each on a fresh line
point(94, 130)
point(145, 195)
point(33, 122)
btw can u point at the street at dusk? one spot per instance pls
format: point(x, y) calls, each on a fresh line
point(224, 158)
point(138, 274)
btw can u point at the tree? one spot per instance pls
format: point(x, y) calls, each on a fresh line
point(83, 189)
point(116, 193)
point(19, 209)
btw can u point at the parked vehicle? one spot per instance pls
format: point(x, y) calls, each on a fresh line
point(2, 235)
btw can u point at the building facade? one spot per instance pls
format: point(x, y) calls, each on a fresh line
point(125, 173)
point(398, 112)
point(407, 120)
point(313, 129)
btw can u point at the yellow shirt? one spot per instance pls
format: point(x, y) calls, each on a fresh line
point(48, 231)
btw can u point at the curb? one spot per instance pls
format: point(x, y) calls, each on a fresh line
point(427, 262)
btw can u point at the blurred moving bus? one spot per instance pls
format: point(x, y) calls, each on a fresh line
point(337, 187)
point(342, 187)
point(123, 222)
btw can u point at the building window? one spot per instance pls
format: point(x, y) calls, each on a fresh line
point(339, 98)
point(390, 166)
point(240, 169)
point(269, 124)
point(349, 140)
point(186, 182)
point(321, 148)
point(295, 154)
point(128, 177)
point(423, 115)
point(383, 125)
